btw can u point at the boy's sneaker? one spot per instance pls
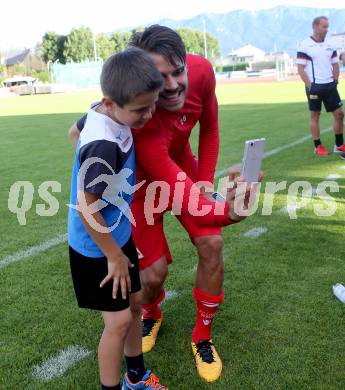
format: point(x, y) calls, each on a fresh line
point(150, 329)
point(339, 150)
point(207, 360)
point(149, 382)
point(321, 151)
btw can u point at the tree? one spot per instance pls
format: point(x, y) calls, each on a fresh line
point(53, 47)
point(50, 46)
point(105, 46)
point(120, 40)
point(61, 48)
point(194, 42)
point(137, 29)
point(17, 69)
point(190, 40)
point(79, 45)
point(38, 51)
point(213, 49)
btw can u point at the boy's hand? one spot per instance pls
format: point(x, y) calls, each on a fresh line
point(240, 192)
point(118, 272)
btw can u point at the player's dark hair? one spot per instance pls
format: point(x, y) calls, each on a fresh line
point(128, 74)
point(318, 19)
point(161, 40)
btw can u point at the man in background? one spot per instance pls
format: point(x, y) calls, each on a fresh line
point(318, 67)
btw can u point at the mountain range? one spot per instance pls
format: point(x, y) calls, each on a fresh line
point(276, 29)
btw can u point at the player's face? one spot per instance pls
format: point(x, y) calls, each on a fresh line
point(321, 29)
point(173, 95)
point(135, 113)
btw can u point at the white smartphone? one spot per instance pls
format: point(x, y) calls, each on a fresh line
point(252, 157)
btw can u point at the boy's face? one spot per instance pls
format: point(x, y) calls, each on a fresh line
point(135, 113)
point(173, 95)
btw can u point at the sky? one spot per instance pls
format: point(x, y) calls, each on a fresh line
point(24, 23)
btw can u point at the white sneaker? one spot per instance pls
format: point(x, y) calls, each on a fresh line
point(340, 150)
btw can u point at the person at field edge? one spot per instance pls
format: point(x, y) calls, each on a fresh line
point(318, 67)
point(103, 258)
point(188, 98)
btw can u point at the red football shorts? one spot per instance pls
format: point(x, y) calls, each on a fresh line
point(150, 239)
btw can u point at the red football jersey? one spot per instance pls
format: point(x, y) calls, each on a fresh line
point(164, 141)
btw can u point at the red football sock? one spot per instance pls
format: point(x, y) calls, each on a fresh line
point(206, 309)
point(153, 310)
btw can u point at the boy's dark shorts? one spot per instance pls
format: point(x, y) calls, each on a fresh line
point(326, 93)
point(87, 274)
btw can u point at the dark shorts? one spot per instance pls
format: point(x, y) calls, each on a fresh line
point(323, 93)
point(87, 274)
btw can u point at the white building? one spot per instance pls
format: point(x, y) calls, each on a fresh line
point(275, 56)
point(246, 54)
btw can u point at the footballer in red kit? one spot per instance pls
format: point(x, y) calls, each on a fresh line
point(172, 178)
point(163, 152)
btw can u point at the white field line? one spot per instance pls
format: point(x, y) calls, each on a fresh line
point(312, 192)
point(60, 239)
point(34, 250)
point(333, 176)
point(57, 365)
point(170, 294)
point(272, 152)
point(255, 232)
point(288, 209)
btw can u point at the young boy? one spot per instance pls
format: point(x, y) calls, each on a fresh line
point(103, 258)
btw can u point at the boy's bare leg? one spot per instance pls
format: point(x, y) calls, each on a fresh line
point(133, 344)
point(110, 349)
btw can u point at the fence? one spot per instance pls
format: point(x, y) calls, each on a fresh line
point(79, 75)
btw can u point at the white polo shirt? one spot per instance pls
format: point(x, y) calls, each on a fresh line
point(318, 58)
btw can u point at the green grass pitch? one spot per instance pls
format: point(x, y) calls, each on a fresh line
point(280, 326)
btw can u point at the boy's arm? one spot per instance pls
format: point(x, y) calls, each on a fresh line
point(74, 134)
point(74, 131)
point(90, 191)
point(118, 263)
